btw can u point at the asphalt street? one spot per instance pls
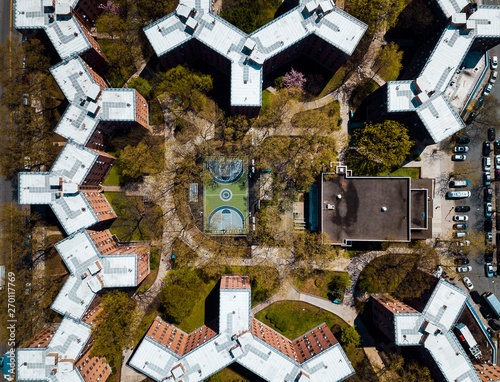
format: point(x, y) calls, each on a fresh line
point(6, 192)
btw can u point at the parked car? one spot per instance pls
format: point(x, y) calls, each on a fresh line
point(497, 162)
point(485, 312)
point(464, 243)
point(462, 209)
point(488, 225)
point(467, 268)
point(438, 272)
point(460, 218)
point(497, 174)
point(488, 238)
point(467, 281)
point(486, 164)
point(461, 149)
point(494, 62)
point(461, 234)
point(488, 210)
point(459, 183)
point(496, 146)
point(487, 89)
point(486, 148)
point(463, 140)
point(494, 324)
point(458, 194)
point(462, 261)
point(472, 116)
point(488, 194)
point(458, 157)
point(493, 77)
point(486, 179)
point(491, 134)
point(476, 297)
point(488, 257)
point(488, 270)
point(460, 226)
point(25, 99)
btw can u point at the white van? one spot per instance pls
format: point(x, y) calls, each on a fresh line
point(458, 194)
point(462, 234)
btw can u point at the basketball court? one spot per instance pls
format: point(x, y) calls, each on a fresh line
point(225, 195)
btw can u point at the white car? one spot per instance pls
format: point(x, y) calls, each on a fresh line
point(497, 162)
point(464, 243)
point(460, 218)
point(486, 164)
point(439, 272)
point(487, 89)
point(494, 62)
point(468, 283)
point(493, 77)
point(467, 268)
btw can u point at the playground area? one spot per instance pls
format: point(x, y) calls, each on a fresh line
point(225, 195)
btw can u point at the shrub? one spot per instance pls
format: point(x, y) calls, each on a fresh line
point(350, 336)
point(319, 283)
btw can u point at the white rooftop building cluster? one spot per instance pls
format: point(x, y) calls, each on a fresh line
point(58, 21)
point(59, 188)
point(55, 363)
point(90, 102)
point(236, 343)
point(248, 53)
point(90, 273)
point(433, 329)
point(426, 94)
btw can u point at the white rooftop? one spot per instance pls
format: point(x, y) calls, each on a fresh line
point(427, 95)
point(449, 7)
point(38, 364)
point(89, 273)
point(64, 31)
point(336, 28)
point(89, 103)
point(433, 329)
point(57, 187)
point(157, 362)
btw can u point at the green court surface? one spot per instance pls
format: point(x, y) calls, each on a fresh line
point(225, 194)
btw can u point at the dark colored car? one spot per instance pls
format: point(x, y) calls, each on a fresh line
point(472, 116)
point(476, 297)
point(463, 261)
point(486, 148)
point(491, 134)
point(463, 140)
point(462, 209)
point(479, 103)
point(485, 312)
point(488, 257)
point(488, 194)
point(496, 147)
point(486, 179)
point(488, 225)
point(494, 324)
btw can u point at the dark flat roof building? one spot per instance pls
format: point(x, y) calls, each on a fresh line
point(362, 208)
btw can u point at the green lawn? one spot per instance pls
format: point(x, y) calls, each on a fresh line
point(412, 172)
point(196, 318)
point(293, 318)
point(266, 100)
point(113, 178)
point(315, 283)
point(335, 82)
point(214, 192)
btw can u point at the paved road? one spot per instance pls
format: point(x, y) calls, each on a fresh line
point(6, 192)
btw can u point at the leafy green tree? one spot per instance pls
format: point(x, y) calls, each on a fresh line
point(153, 10)
point(141, 159)
point(249, 15)
point(187, 87)
point(111, 24)
point(388, 62)
point(112, 327)
point(380, 15)
point(387, 142)
point(339, 281)
point(180, 293)
point(349, 336)
point(142, 86)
